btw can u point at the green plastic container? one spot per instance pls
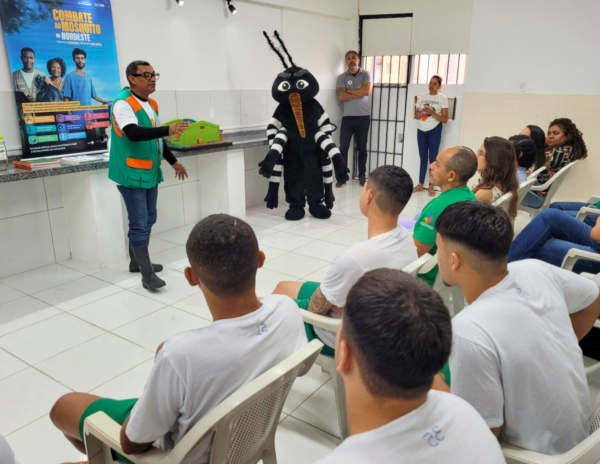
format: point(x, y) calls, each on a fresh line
point(198, 132)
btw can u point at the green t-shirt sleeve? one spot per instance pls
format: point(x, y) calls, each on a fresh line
point(424, 230)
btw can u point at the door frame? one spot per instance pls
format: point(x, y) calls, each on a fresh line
point(361, 19)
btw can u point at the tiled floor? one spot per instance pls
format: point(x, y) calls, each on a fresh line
point(66, 327)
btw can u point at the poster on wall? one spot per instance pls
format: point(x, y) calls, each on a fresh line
point(63, 62)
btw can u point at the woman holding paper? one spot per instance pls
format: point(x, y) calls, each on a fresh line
point(432, 111)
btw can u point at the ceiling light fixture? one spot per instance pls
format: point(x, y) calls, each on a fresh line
point(231, 7)
point(179, 2)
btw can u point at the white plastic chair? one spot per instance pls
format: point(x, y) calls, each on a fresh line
point(453, 297)
point(327, 363)
point(503, 202)
point(526, 186)
point(586, 452)
point(243, 426)
point(536, 173)
point(551, 187)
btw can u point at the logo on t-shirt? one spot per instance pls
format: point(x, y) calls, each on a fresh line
point(429, 218)
point(349, 82)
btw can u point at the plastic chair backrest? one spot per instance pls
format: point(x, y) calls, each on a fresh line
point(503, 202)
point(555, 182)
point(595, 420)
point(536, 173)
point(414, 267)
point(526, 186)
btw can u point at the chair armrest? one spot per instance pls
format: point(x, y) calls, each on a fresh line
point(323, 322)
point(594, 199)
point(100, 427)
point(574, 255)
point(540, 188)
point(586, 211)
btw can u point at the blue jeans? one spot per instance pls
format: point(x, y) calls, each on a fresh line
point(532, 200)
point(141, 212)
point(429, 146)
point(549, 237)
point(572, 208)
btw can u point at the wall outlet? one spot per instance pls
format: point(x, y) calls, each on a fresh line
point(400, 138)
point(523, 86)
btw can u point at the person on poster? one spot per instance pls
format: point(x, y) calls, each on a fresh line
point(24, 78)
point(78, 84)
point(51, 88)
point(136, 145)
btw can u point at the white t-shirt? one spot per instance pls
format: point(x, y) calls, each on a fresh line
point(196, 370)
point(516, 359)
point(6, 454)
point(445, 430)
point(124, 115)
point(28, 77)
point(395, 250)
point(437, 102)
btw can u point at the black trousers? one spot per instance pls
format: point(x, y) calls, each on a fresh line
point(359, 127)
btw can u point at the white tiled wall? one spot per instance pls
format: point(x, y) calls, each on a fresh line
point(505, 114)
point(32, 225)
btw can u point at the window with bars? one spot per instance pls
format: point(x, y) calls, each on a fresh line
point(451, 68)
point(387, 71)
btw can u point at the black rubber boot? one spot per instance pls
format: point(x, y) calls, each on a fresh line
point(295, 213)
point(320, 211)
point(150, 280)
point(133, 265)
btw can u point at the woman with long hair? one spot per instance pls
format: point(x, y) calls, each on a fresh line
point(496, 162)
point(538, 136)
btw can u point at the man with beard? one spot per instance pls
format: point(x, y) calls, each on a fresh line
point(78, 84)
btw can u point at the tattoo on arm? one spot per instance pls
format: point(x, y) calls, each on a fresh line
point(319, 304)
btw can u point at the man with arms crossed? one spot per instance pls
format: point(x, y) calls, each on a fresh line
point(395, 336)
point(515, 354)
point(451, 171)
point(196, 370)
point(353, 89)
point(382, 199)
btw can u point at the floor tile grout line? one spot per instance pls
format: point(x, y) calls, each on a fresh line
point(313, 426)
point(37, 269)
point(309, 396)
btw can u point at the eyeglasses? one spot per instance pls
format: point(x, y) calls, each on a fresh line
point(148, 76)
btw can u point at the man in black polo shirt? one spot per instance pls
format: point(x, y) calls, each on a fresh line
point(354, 88)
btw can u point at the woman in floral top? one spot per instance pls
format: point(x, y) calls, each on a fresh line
point(564, 144)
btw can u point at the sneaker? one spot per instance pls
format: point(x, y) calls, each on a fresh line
point(340, 184)
point(361, 180)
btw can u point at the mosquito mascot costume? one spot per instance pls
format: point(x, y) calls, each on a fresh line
point(301, 149)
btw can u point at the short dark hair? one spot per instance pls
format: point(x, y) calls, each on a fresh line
point(392, 187)
point(525, 145)
point(400, 332)
point(27, 49)
point(479, 227)
point(223, 251)
point(464, 163)
point(133, 67)
point(351, 51)
point(62, 64)
point(79, 51)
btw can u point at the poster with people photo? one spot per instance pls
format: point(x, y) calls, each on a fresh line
point(63, 59)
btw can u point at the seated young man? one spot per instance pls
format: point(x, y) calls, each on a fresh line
point(383, 197)
point(515, 354)
point(396, 335)
point(451, 171)
point(196, 370)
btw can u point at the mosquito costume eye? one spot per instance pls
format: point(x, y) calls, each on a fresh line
point(284, 86)
point(301, 84)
